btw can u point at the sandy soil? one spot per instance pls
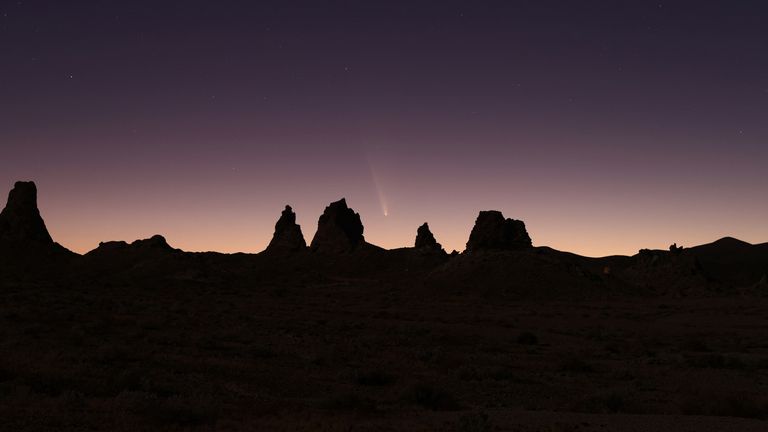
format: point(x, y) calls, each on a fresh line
point(357, 354)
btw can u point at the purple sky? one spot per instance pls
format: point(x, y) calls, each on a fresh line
point(606, 126)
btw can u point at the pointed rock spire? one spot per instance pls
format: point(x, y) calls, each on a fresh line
point(425, 239)
point(288, 236)
point(20, 221)
point(492, 231)
point(339, 229)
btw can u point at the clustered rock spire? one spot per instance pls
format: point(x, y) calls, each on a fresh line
point(493, 232)
point(339, 229)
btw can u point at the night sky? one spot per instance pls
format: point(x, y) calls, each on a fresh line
point(606, 126)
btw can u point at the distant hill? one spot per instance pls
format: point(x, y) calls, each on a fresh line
point(732, 261)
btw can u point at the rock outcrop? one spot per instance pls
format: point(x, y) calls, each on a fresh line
point(154, 243)
point(20, 221)
point(339, 230)
point(425, 240)
point(493, 232)
point(288, 236)
point(665, 273)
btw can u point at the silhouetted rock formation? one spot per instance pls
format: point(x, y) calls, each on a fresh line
point(20, 221)
point(147, 261)
point(425, 239)
point(27, 251)
point(288, 236)
point(674, 248)
point(537, 273)
point(493, 232)
point(156, 243)
point(339, 229)
point(666, 273)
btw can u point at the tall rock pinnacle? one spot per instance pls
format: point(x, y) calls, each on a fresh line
point(492, 231)
point(288, 236)
point(20, 221)
point(339, 229)
point(425, 239)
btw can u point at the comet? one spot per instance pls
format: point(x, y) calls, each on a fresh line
point(379, 190)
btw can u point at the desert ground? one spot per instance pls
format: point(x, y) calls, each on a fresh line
point(342, 335)
point(362, 354)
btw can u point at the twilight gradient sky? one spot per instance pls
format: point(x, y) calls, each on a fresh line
point(607, 126)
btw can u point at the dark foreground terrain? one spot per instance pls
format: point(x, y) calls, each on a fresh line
point(342, 335)
point(365, 355)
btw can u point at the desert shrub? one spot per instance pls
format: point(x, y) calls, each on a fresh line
point(51, 380)
point(736, 406)
point(112, 354)
point(6, 374)
point(72, 402)
point(576, 365)
point(623, 375)
point(279, 292)
point(502, 374)
point(432, 398)
point(260, 352)
point(468, 373)
point(129, 379)
point(179, 410)
point(527, 338)
point(474, 422)
point(695, 345)
point(726, 405)
point(494, 349)
point(374, 378)
point(608, 403)
point(349, 402)
point(319, 361)
point(715, 361)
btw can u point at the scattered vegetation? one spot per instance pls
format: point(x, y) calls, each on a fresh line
point(181, 359)
point(575, 365)
point(607, 403)
point(374, 378)
point(431, 397)
point(727, 405)
point(469, 373)
point(475, 422)
point(352, 402)
point(715, 361)
point(694, 345)
point(527, 338)
point(195, 410)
